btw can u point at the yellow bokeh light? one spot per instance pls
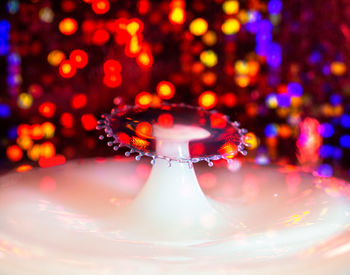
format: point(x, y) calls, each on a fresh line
point(34, 152)
point(24, 101)
point(252, 140)
point(230, 26)
point(241, 67)
point(66, 68)
point(207, 100)
point(177, 16)
point(133, 28)
point(198, 27)
point(230, 7)
point(47, 150)
point(49, 129)
point(209, 58)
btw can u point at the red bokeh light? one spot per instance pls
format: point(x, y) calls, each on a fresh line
point(111, 66)
point(67, 69)
point(229, 99)
point(89, 122)
point(47, 109)
point(100, 6)
point(143, 6)
point(112, 80)
point(14, 153)
point(166, 120)
point(100, 37)
point(67, 120)
point(79, 58)
point(53, 161)
point(124, 138)
point(79, 101)
point(165, 90)
point(23, 130)
point(217, 121)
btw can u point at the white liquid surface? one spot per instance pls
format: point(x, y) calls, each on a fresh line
point(67, 220)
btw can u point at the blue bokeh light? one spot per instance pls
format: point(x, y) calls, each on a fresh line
point(5, 111)
point(327, 151)
point(271, 130)
point(12, 132)
point(283, 100)
point(344, 141)
point(325, 170)
point(295, 89)
point(345, 120)
point(336, 99)
point(326, 130)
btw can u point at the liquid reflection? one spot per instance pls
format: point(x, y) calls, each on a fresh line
point(286, 220)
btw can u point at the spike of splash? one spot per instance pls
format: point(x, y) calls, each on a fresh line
point(171, 200)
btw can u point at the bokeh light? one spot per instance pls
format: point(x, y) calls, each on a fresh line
point(207, 100)
point(68, 26)
point(198, 26)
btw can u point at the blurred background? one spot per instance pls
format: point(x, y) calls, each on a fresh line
point(281, 68)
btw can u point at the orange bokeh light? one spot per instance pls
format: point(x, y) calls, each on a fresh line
point(24, 168)
point(68, 26)
point(37, 132)
point(165, 90)
point(144, 130)
point(207, 100)
point(25, 142)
